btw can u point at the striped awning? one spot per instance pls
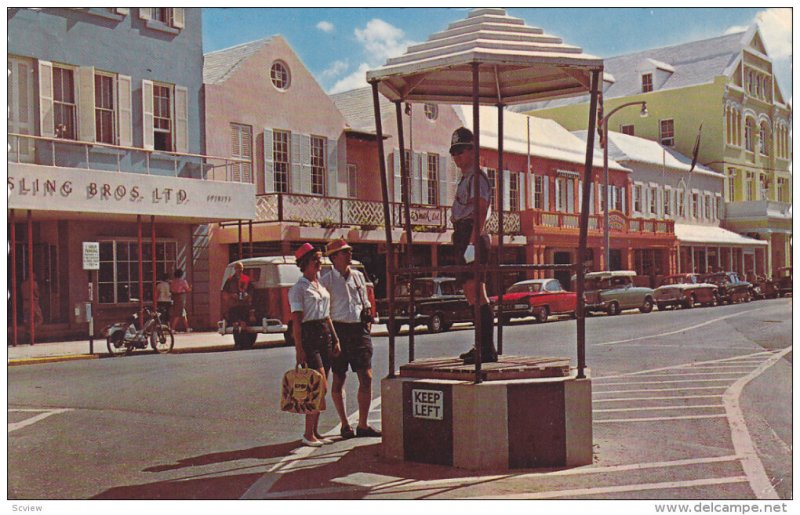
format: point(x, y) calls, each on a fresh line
point(518, 64)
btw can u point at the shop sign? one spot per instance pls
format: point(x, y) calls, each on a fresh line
point(422, 216)
point(89, 191)
point(616, 222)
point(428, 404)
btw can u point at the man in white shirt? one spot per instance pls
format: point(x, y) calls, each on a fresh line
point(350, 308)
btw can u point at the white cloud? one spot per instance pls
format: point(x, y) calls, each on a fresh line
point(734, 29)
point(334, 70)
point(381, 40)
point(325, 26)
point(776, 28)
point(357, 79)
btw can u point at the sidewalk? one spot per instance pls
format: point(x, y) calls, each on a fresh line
point(48, 352)
point(210, 341)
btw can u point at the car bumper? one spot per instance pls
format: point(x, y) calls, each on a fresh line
point(268, 326)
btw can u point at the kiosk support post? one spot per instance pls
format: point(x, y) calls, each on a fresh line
point(587, 176)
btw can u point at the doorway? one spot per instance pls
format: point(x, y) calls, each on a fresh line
point(563, 276)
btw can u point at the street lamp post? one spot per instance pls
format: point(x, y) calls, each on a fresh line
point(603, 125)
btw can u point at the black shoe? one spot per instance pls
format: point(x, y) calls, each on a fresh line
point(347, 433)
point(368, 432)
point(470, 354)
point(488, 357)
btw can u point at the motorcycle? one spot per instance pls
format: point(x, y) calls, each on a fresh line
point(125, 337)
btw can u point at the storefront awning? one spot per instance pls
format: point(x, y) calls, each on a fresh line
point(710, 235)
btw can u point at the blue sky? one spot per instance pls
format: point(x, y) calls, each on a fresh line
point(339, 44)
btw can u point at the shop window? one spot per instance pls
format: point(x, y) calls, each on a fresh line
point(118, 278)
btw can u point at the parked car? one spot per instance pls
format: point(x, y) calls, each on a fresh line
point(539, 298)
point(614, 292)
point(271, 278)
point(783, 280)
point(684, 290)
point(730, 288)
point(762, 287)
point(438, 301)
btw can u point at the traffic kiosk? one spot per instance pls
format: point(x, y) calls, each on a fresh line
point(521, 411)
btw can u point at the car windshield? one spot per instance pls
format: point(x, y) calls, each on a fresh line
point(525, 288)
point(421, 289)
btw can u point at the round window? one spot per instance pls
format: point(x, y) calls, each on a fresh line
point(279, 74)
point(431, 111)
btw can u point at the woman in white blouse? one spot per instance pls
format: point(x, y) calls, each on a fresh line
point(314, 336)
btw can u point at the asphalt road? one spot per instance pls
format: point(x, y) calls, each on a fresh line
point(687, 404)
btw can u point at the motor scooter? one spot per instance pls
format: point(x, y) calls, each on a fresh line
point(125, 337)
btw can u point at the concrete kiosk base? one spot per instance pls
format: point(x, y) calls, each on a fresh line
point(498, 424)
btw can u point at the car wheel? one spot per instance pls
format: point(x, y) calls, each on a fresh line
point(747, 297)
point(542, 314)
point(662, 306)
point(436, 323)
point(690, 302)
point(613, 309)
point(647, 307)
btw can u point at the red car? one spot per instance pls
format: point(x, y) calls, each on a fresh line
point(539, 298)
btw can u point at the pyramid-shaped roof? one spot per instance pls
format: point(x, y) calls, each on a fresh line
point(518, 64)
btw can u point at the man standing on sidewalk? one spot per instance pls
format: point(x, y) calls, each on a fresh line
point(466, 249)
point(350, 310)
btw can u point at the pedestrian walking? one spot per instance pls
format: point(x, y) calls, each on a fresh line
point(179, 288)
point(466, 247)
point(314, 336)
point(163, 296)
point(352, 319)
point(31, 291)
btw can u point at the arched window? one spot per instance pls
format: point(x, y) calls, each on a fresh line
point(763, 135)
point(749, 132)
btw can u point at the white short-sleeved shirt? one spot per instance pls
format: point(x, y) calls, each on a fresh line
point(313, 301)
point(464, 203)
point(346, 299)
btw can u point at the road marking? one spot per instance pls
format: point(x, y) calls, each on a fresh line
point(724, 361)
point(669, 382)
point(43, 414)
point(682, 330)
point(681, 373)
point(667, 398)
point(598, 392)
point(299, 459)
point(558, 494)
point(655, 419)
point(742, 442)
point(650, 408)
point(392, 486)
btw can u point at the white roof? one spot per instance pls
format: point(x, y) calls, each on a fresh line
point(624, 148)
point(518, 64)
point(711, 235)
point(548, 139)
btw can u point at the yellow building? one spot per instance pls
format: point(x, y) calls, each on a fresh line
point(726, 84)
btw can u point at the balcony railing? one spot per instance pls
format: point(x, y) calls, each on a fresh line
point(617, 222)
point(40, 150)
point(366, 214)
